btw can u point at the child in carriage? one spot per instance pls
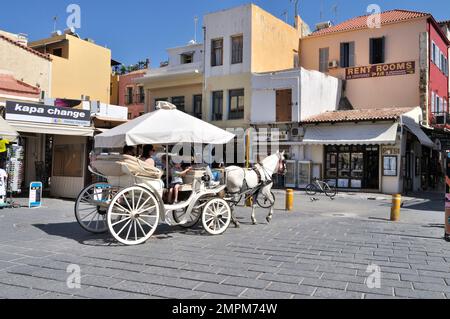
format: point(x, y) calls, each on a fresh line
point(177, 173)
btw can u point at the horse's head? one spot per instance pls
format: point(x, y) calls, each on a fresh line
point(282, 167)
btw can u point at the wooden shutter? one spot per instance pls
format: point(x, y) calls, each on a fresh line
point(371, 51)
point(343, 61)
point(351, 54)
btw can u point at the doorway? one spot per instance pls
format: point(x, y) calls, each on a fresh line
point(284, 106)
point(372, 168)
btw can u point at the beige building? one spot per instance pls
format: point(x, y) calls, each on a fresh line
point(25, 64)
point(81, 69)
point(179, 80)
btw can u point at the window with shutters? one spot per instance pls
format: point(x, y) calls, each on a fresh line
point(377, 50)
point(324, 54)
point(217, 106)
point(347, 54)
point(237, 49)
point(217, 52)
point(236, 104)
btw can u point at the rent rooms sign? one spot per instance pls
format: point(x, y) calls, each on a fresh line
point(380, 70)
point(39, 113)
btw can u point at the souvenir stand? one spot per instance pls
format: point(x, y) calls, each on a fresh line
point(12, 154)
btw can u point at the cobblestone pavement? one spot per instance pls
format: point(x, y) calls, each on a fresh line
point(322, 250)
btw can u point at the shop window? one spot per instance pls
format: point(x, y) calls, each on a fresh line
point(68, 160)
point(377, 50)
point(390, 166)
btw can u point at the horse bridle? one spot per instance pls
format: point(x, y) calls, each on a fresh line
point(282, 166)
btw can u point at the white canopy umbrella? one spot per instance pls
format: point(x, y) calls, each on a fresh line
point(166, 126)
point(6, 131)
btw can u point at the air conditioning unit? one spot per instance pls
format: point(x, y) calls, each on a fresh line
point(334, 64)
point(297, 133)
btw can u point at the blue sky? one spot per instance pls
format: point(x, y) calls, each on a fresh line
point(139, 29)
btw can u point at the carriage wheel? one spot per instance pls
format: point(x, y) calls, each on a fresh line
point(216, 217)
point(91, 207)
point(264, 201)
point(133, 215)
point(192, 219)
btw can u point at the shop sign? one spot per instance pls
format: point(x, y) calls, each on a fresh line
point(443, 137)
point(380, 70)
point(386, 150)
point(27, 112)
point(35, 199)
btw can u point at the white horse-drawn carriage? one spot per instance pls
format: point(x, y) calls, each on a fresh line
point(130, 203)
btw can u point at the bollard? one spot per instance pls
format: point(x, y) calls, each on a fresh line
point(289, 200)
point(447, 224)
point(396, 206)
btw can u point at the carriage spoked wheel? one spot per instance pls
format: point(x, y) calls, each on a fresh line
point(192, 219)
point(91, 207)
point(265, 201)
point(133, 215)
point(216, 217)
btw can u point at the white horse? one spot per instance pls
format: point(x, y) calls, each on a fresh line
point(239, 180)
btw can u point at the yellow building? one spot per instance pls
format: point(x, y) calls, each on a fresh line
point(81, 69)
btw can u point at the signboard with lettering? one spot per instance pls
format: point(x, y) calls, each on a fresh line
point(35, 199)
point(380, 70)
point(28, 112)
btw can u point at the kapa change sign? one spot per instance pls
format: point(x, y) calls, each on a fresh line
point(28, 112)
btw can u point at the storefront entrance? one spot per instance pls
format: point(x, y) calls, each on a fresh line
point(353, 166)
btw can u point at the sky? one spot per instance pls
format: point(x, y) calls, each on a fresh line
point(139, 29)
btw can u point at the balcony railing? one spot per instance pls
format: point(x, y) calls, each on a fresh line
point(440, 118)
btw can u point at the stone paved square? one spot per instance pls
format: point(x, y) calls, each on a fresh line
point(321, 250)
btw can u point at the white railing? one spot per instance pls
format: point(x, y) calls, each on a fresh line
point(176, 69)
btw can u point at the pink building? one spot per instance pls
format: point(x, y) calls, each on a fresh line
point(131, 94)
point(403, 63)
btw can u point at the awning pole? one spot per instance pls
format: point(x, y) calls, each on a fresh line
point(167, 166)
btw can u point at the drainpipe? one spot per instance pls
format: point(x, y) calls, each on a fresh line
point(204, 74)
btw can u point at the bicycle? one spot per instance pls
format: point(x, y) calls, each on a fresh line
point(322, 186)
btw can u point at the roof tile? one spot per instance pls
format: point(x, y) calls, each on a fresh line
point(45, 56)
point(386, 114)
point(358, 23)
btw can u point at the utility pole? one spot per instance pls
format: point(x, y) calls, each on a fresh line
point(295, 12)
point(196, 25)
point(55, 20)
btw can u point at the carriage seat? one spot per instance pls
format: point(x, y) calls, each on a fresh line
point(112, 166)
point(139, 168)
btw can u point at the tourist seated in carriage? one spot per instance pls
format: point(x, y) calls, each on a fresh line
point(178, 174)
point(148, 155)
point(129, 150)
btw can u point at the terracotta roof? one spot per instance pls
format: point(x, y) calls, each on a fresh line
point(45, 56)
point(385, 114)
point(358, 23)
point(9, 85)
